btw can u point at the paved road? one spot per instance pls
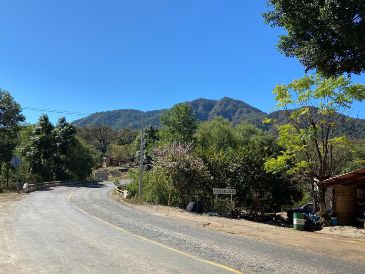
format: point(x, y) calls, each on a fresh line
point(81, 229)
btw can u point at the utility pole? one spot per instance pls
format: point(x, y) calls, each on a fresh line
point(141, 160)
point(16, 162)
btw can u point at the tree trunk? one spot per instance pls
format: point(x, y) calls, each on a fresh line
point(169, 201)
point(315, 202)
point(7, 175)
point(322, 196)
point(1, 174)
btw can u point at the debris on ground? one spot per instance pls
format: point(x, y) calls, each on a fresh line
point(347, 231)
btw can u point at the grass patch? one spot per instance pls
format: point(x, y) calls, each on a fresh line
point(133, 200)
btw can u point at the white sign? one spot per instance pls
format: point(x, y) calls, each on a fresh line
point(16, 161)
point(227, 191)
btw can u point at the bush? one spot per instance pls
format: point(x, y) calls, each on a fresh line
point(157, 187)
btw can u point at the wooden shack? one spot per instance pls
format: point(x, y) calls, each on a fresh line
point(345, 194)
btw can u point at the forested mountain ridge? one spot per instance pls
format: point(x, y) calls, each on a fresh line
point(205, 109)
point(123, 118)
point(353, 128)
point(235, 111)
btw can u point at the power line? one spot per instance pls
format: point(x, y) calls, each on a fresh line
point(48, 110)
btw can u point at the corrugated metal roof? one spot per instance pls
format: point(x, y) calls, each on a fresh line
point(355, 176)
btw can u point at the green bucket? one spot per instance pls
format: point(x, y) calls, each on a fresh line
point(298, 221)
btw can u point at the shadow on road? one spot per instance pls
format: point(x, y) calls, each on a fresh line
point(75, 184)
point(86, 185)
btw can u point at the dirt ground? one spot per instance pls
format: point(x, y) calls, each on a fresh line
point(347, 243)
point(9, 197)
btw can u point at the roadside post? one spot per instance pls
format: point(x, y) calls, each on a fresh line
point(141, 159)
point(225, 191)
point(16, 162)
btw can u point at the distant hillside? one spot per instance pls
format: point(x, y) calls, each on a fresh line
point(124, 118)
point(351, 127)
point(205, 109)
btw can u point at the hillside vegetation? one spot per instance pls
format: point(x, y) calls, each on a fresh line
point(235, 111)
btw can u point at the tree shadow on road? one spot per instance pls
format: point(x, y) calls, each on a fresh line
point(86, 185)
point(81, 184)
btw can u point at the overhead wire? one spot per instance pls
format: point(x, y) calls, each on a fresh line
point(48, 110)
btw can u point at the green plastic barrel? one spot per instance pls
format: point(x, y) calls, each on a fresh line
point(298, 221)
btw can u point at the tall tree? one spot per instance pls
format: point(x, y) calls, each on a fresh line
point(327, 35)
point(65, 138)
point(10, 119)
point(235, 157)
point(98, 137)
point(311, 137)
point(54, 152)
point(124, 153)
point(125, 136)
point(41, 151)
point(217, 134)
point(178, 123)
point(81, 160)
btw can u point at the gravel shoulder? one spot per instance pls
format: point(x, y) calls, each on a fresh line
point(347, 243)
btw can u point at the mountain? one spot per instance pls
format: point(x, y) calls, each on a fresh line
point(124, 118)
point(353, 128)
point(235, 111)
point(204, 109)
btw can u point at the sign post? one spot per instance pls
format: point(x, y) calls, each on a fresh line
point(16, 162)
point(225, 191)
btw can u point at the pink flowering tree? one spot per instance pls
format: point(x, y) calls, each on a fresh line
point(187, 171)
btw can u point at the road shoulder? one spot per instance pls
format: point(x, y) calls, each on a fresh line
point(348, 248)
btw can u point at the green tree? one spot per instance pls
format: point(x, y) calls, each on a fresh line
point(325, 35)
point(354, 156)
point(99, 137)
point(10, 120)
point(151, 138)
point(40, 153)
point(157, 187)
point(235, 156)
point(54, 152)
point(313, 146)
point(258, 189)
point(65, 141)
point(124, 153)
point(178, 124)
point(82, 159)
point(125, 136)
point(216, 134)
point(25, 142)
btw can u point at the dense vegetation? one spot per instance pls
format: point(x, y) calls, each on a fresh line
point(191, 157)
point(315, 149)
point(327, 35)
point(47, 152)
point(191, 153)
point(234, 111)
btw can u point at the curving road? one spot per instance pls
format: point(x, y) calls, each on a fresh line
point(80, 229)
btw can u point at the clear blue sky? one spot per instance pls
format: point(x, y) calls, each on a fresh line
point(88, 55)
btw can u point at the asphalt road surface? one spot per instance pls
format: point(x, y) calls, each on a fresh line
point(80, 229)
